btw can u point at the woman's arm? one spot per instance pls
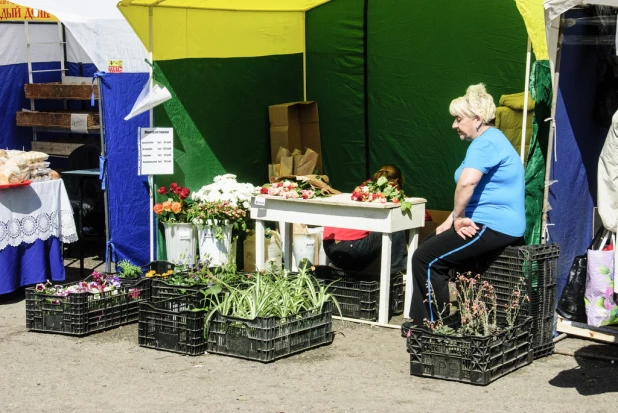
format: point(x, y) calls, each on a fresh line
point(468, 180)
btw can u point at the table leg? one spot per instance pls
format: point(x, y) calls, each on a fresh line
point(385, 278)
point(409, 284)
point(286, 239)
point(81, 229)
point(259, 245)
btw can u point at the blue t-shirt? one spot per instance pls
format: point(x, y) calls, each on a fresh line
point(498, 200)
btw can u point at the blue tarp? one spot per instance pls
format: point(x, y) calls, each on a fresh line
point(127, 192)
point(13, 99)
point(579, 143)
point(128, 200)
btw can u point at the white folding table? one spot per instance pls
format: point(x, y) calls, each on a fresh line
point(340, 211)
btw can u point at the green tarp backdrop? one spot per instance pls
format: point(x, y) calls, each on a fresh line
point(383, 73)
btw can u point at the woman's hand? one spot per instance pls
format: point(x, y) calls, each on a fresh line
point(444, 226)
point(448, 222)
point(465, 227)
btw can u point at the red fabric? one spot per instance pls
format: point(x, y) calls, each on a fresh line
point(343, 234)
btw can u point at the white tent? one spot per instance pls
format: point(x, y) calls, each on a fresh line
point(100, 29)
point(553, 10)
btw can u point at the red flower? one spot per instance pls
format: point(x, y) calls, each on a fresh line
point(184, 193)
point(264, 190)
point(162, 190)
point(173, 185)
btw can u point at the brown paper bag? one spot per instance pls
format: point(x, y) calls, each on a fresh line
point(282, 153)
point(287, 165)
point(299, 229)
point(306, 163)
point(296, 155)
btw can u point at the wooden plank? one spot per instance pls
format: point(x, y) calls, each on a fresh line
point(53, 119)
point(60, 91)
point(605, 334)
point(56, 148)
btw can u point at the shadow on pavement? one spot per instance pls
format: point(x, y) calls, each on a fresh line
point(591, 376)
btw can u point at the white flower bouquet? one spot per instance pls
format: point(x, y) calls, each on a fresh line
point(225, 201)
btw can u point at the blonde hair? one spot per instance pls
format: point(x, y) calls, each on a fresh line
point(390, 172)
point(476, 102)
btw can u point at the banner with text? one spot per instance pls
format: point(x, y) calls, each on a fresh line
point(13, 12)
point(155, 151)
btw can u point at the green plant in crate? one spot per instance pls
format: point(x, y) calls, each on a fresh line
point(271, 293)
point(477, 309)
point(128, 270)
point(188, 275)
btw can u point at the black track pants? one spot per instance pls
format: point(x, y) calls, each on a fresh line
point(433, 259)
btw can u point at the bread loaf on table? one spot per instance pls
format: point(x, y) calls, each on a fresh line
point(10, 174)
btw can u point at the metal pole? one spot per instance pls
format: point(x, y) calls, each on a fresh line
point(304, 59)
point(526, 90)
point(552, 134)
point(151, 122)
point(105, 200)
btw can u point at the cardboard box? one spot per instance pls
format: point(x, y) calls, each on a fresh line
point(438, 217)
point(295, 125)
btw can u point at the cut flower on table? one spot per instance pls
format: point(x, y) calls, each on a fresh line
point(381, 191)
point(299, 187)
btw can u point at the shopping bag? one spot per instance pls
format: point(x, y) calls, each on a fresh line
point(601, 309)
point(571, 304)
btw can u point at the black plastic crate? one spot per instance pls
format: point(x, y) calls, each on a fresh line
point(358, 294)
point(268, 339)
point(84, 313)
point(163, 290)
point(469, 359)
point(175, 325)
point(159, 267)
point(537, 265)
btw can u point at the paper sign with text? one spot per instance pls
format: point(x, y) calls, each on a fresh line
point(114, 66)
point(155, 151)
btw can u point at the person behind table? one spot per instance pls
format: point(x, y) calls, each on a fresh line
point(354, 250)
point(488, 212)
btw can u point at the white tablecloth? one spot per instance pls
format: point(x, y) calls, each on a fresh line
point(37, 211)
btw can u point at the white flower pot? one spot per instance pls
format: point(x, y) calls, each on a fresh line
point(180, 242)
point(217, 251)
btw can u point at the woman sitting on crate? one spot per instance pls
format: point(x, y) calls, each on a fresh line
point(355, 250)
point(489, 209)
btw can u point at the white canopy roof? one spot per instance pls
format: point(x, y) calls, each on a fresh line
point(100, 29)
point(553, 10)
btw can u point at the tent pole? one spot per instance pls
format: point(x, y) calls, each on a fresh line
point(304, 40)
point(526, 90)
point(552, 134)
point(108, 237)
point(151, 121)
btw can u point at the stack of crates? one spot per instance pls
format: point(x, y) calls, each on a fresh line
point(536, 267)
point(358, 294)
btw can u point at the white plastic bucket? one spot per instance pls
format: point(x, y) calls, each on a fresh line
point(180, 242)
point(303, 246)
point(217, 251)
